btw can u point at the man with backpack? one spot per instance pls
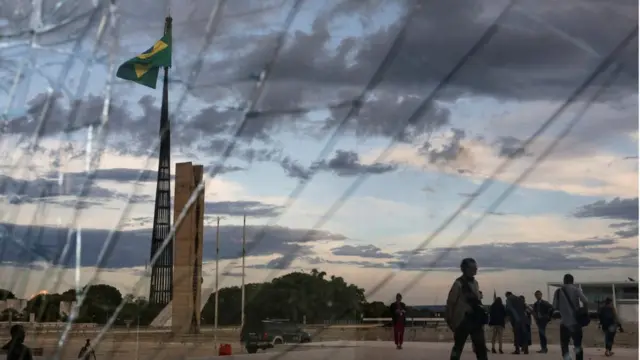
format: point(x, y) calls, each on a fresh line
point(574, 317)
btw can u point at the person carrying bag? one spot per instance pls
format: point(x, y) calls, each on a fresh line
point(567, 300)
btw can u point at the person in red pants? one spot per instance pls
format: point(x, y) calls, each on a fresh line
point(398, 319)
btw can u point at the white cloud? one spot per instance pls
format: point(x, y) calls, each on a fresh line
point(602, 174)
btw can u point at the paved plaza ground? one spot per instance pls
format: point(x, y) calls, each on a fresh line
point(345, 350)
point(382, 350)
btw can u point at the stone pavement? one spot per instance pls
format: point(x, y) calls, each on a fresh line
point(382, 350)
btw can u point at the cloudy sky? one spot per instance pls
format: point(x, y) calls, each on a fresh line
point(375, 122)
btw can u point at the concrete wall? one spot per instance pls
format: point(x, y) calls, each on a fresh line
point(187, 272)
point(198, 177)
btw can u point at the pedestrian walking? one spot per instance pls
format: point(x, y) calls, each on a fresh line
point(464, 314)
point(398, 319)
point(574, 317)
point(15, 348)
point(497, 317)
point(516, 311)
point(87, 352)
point(609, 323)
point(528, 311)
point(542, 311)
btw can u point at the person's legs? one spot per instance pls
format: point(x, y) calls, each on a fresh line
point(396, 339)
point(459, 338)
point(542, 333)
point(518, 336)
point(400, 334)
point(478, 341)
point(494, 337)
point(514, 329)
point(526, 338)
point(612, 340)
point(576, 335)
point(500, 333)
point(607, 340)
point(395, 333)
point(565, 337)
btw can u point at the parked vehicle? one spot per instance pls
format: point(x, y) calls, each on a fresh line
point(268, 333)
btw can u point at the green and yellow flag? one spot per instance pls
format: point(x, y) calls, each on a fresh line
point(144, 68)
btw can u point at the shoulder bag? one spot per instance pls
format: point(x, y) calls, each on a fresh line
point(581, 315)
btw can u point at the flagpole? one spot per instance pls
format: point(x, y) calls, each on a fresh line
point(244, 241)
point(215, 323)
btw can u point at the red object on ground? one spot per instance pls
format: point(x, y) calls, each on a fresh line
point(224, 350)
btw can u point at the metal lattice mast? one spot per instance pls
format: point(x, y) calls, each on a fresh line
point(160, 288)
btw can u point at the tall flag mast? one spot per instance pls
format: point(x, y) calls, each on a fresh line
point(144, 70)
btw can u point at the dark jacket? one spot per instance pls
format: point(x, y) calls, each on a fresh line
point(608, 317)
point(497, 314)
point(16, 350)
point(395, 317)
point(516, 309)
point(87, 353)
point(542, 311)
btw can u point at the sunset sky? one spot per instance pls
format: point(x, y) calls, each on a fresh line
point(577, 212)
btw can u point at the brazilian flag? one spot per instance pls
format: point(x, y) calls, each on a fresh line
point(144, 68)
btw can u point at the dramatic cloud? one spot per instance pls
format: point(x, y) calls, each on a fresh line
point(510, 147)
point(539, 52)
point(48, 190)
point(240, 208)
point(347, 163)
point(616, 209)
point(133, 175)
point(27, 244)
point(364, 251)
point(558, 255)
point(343, 163)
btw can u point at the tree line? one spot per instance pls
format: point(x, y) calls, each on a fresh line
point(313, 297)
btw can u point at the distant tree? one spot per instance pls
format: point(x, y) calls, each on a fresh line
point(292, 296)
point(46, 307)
point(6, 294)
point(376, 309)
point(100, 302)
point(69, 295)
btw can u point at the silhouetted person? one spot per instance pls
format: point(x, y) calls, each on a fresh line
point(517, 316)
point(464, 314)
point(609, 322)
point(497, 317)
point(567, 300)
point(542, 311)
point(527, 320)
point(87, 352)
point(15, 348)
point(398, 320)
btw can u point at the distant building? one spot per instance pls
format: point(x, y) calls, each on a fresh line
point(15, 304)
point(623, 294)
